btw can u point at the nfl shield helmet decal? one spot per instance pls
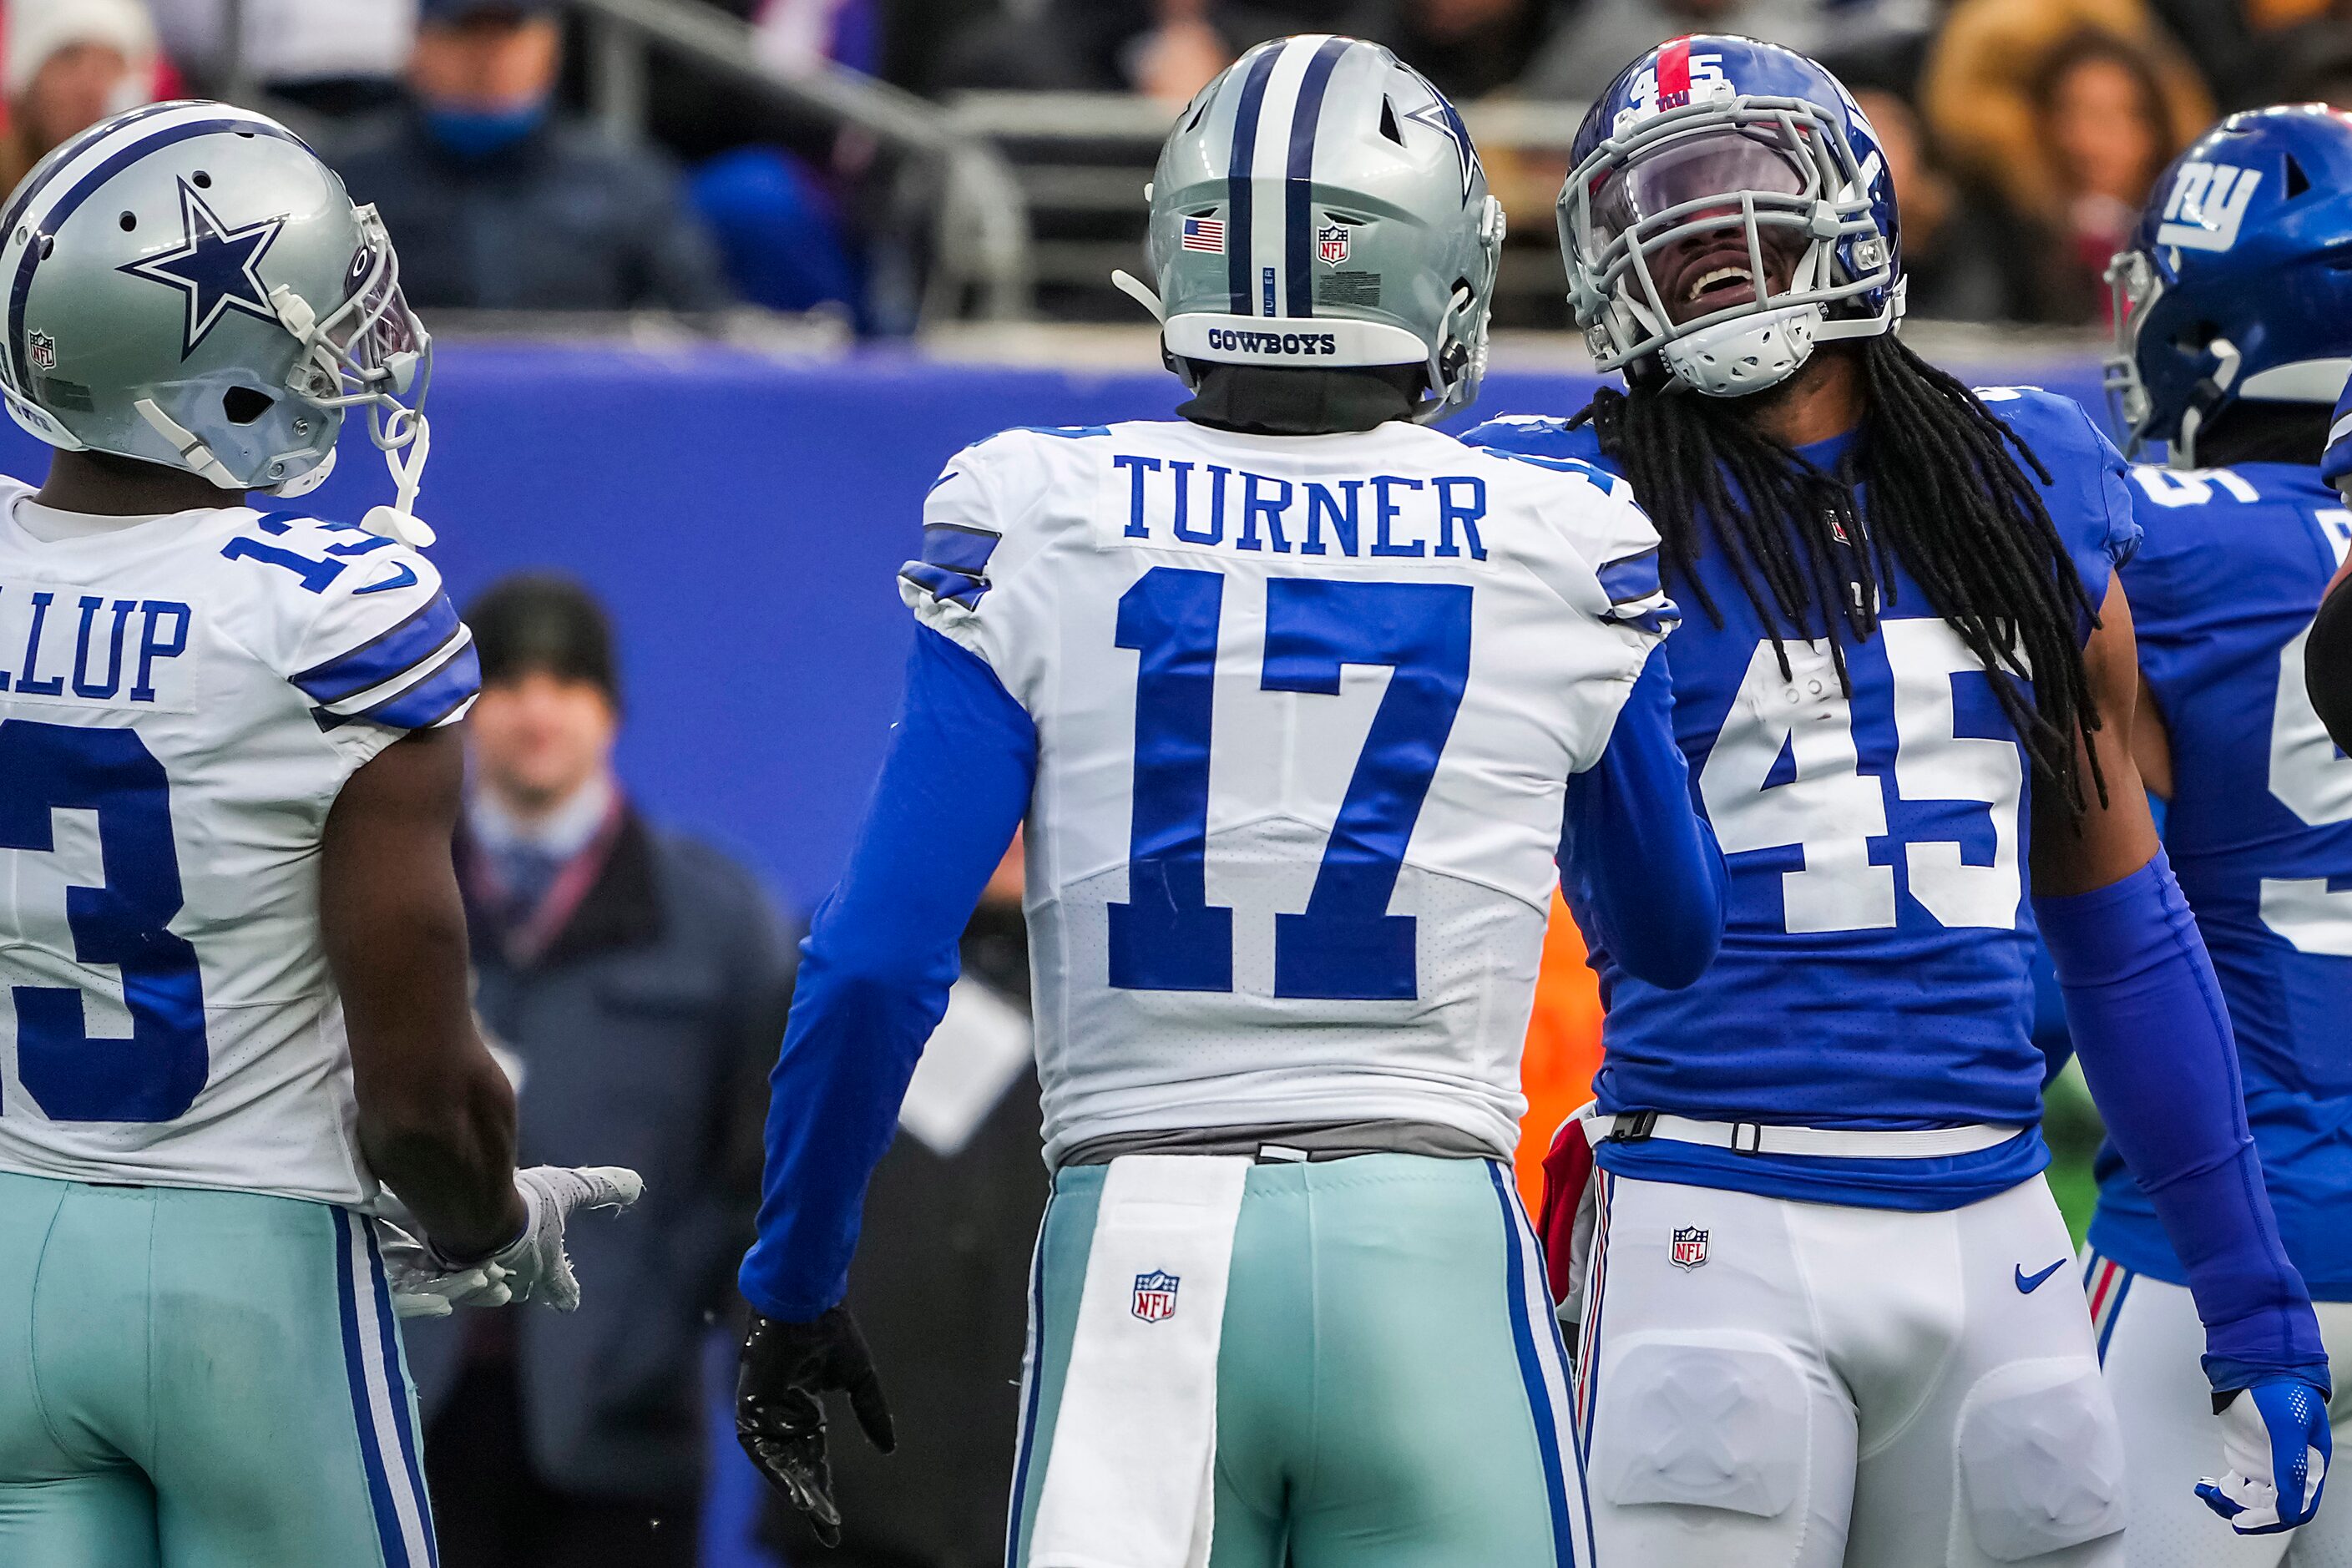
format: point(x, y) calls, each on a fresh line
point(1690, 1246)
point(1331, 244)
point(1155, 1296)
point(42, 350)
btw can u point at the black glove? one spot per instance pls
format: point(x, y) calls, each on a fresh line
point(787, 1369)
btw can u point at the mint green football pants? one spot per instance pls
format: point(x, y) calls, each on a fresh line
point(200, 1380)
point(1391, 1386)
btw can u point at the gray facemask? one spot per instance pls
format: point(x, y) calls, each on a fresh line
point(188, 285)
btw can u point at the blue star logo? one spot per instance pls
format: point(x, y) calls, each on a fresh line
point(1446, 120)
point(216, 268)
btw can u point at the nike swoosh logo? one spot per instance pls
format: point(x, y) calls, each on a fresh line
point(2026, 1283)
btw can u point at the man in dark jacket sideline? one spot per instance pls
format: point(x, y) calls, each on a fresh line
point(503, 202)
point(637, 984)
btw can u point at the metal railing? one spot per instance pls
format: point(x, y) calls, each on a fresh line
point(958, 189)
point(1082, 160)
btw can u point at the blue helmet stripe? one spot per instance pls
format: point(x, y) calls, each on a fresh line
point(66, 153)
point(1298, 242)
point(81, 191)
point(1237, 179)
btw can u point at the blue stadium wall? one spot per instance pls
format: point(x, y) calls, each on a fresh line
point(745, 518)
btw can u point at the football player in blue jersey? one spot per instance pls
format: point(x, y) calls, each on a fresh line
point(2327, 655)
point(1287, 912)
point(2233, 332)
point(1817, 1324)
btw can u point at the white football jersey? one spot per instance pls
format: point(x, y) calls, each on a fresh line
point(181, 701)
point(1305, 708)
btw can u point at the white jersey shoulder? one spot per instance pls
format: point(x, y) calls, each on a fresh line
point(1306, 708)
point(180, 702)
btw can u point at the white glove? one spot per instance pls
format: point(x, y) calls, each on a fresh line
point(2274, 1451)
point(422, 1286)
point(536, 1268)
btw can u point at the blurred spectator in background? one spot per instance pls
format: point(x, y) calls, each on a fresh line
point(941, 1281)
point(2065, 110)
point(502, 201)
point(331, 57)
point(2317, 67)
point(637, 982)
point(2101, 112)
point(775, 204)
point(1468, 48)
point(1166, 49)
point(1960, 253)
point(64, 65)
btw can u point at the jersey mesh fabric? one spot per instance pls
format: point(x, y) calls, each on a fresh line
point(1875, 969)
point(199, 690)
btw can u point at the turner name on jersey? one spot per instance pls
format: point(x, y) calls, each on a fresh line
point(180, 702)
point(1306, 711)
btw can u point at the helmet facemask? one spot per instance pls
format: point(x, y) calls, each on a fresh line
point(2134, 287)
point(1768, 187)
point(372, 352)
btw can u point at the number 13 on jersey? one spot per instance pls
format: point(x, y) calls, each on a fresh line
point(1344, 945)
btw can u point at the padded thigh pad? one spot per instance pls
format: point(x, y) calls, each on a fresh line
point(1704, 1419)
point(2042, 1458)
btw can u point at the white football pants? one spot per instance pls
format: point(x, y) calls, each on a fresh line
point(2172, 1438)
point(1813, 1386)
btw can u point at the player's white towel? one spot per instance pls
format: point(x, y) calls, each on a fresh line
point(1131, 1481)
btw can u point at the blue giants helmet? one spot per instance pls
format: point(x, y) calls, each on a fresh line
point(2238, 283)
point(1728, 207)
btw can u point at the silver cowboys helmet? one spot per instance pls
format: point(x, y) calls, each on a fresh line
point(188, 285)
point(1319, 206)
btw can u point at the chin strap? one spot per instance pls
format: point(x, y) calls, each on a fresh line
point(2182, 454)
point(399, 520)
point(194, 454)
point(1137, 289)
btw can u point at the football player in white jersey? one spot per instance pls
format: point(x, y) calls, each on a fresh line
point(1308, 708)
point(230, 935)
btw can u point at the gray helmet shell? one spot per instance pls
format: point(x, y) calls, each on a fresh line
point(188, 285)
point(1321, 204)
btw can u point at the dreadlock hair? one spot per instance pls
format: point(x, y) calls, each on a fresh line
point(1948, 499)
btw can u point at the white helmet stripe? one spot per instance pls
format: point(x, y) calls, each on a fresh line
point(1270, 251)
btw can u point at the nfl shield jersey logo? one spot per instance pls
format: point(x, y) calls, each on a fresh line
point(1331, 244)
point(1155, 1296)
point(1690, 1246)
point(42, 350)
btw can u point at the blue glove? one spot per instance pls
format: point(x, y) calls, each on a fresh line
point(2275, 1452)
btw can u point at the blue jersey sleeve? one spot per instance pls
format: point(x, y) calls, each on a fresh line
point(2336, 466)
point(2088, 491)
point(1639, 867)
point(878, 964)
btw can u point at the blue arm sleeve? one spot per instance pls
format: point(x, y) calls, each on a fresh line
point(1640, 867)
point(876, 965)
point(2154, 1038)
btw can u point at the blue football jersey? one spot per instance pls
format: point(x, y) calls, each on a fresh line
point(1875, 968)
point(2260, 830)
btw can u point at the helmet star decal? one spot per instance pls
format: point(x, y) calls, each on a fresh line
point(1441, 116)
point(215, 267)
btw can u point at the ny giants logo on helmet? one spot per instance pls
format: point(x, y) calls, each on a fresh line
point(1679, 79)
point(1233, 339)
point(2208, 206)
